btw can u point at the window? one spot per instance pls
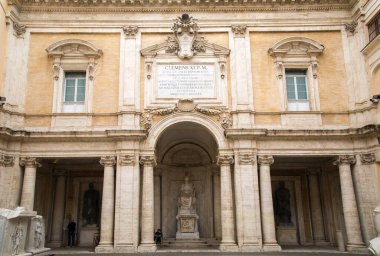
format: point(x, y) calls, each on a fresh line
point(74, 92)
point(296, 90)
point(374, 27)
point(296, 65)
point(74, 71)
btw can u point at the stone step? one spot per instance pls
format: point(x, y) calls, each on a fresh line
point(188, 243)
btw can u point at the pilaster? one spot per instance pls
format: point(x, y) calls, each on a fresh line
point(58, 210)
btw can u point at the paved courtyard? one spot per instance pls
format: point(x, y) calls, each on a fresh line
point(297, 251)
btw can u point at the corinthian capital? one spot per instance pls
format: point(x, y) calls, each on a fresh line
point(345, 159)
point(127, 159)
point(239, 30)
point(265, 160)
point(107, 161)
point(368, 158)
point(246, 158)
point(130, 31)
point(6, 160)
point(30, 162)
point(225, 160)
point(148, 160)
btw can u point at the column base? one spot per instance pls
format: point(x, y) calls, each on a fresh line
point(250, 248)
point(228, 247)
point(104, 248)
point(273, 247)
point(357, 248)
point(54, 244)
point(148, 247)
point(125, 249)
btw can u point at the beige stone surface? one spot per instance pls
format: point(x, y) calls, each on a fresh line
point(40, 73)
point(265, 84)
point(3, 42)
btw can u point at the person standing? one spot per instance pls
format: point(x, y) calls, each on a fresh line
point(72, 228)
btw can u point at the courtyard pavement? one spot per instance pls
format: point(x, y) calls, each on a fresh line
point(287, 251)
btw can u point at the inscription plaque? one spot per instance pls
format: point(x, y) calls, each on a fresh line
point(187, 225)
point(185, 81)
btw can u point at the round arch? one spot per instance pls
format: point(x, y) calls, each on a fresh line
point(157, 129)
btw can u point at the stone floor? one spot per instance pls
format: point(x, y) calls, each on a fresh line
point(287, 251)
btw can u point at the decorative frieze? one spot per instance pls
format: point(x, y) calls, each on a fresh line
point(7, 160)
point(187, 105)
point(247, 158)
point(265, 160)
point(19, 30)
point(148, 161)
point(239, 30)
point(345, 160)
point(30, 162)
point(225, 159)
point(350, 27)
point(130, 31)
point(127, 159)
point(368, 158)
point(107, 161)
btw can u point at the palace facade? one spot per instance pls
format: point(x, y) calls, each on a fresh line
point(240, 125)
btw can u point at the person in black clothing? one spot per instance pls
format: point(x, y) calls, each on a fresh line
point(71, 228)
point(158, 236)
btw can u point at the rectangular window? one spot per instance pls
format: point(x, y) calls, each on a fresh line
point(296, 90)
point(374, 27)
point(74, 92)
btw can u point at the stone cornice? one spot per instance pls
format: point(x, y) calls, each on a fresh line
point(178, 6)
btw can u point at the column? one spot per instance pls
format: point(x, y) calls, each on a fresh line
point(350, 210)
point(247, 214)
point(108, 205)
point(27, 194)
point(147, 204)
point(266, 203)
point(228, 227)
point(217, 213)
point(59, 208)
point(316, 208)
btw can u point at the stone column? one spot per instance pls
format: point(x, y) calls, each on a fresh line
point(217, 207)
point(227, 212)
point(28, 186)
point(350, 210)
point(59, 208)
point(6, 181)
point(147, 205)
point(316, 208)
point(266, 203)
point(108, 205)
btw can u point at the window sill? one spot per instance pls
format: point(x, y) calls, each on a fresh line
point(371, 45)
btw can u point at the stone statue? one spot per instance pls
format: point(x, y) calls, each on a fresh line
point(186, 199)
point(187, 217)
point(38, 234)
point(282, 210)
point(17, 237)
point(91, 206)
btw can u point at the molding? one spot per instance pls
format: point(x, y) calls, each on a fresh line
point(265, 160)
point(246, 158)
point(369, 158)
point(186, 105)
point(29, 162)
point(7, 160)
point(345, 160)
point(148, 161)
point(225, 160)
point(130, 31)
point(107, 161)
point(127, 160)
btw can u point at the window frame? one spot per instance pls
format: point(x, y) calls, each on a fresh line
point(375, 24)
point(297, 102)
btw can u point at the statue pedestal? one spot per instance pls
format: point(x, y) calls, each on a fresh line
point(187, 226)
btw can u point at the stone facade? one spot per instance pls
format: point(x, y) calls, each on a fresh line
point(268, 108)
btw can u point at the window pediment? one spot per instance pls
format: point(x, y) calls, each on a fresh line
point(296, 46)
point(73, 48)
